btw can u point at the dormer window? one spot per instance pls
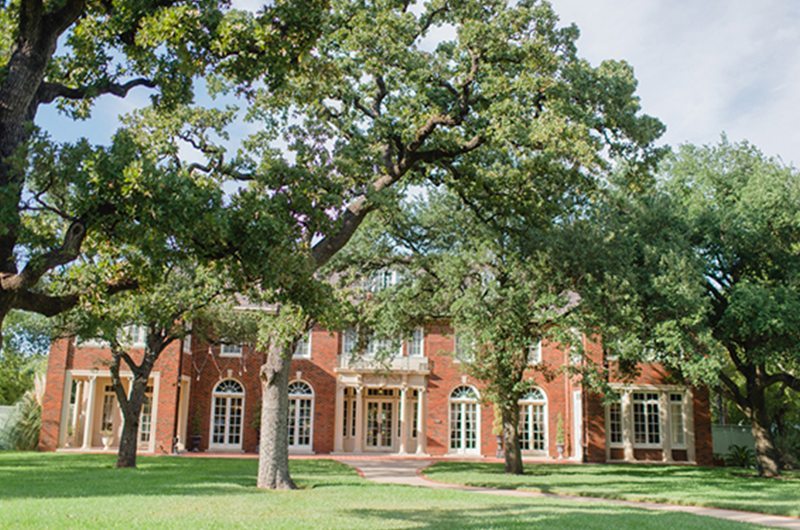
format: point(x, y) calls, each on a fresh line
point(382, 279)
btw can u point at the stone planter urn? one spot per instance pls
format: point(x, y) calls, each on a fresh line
point(107, 439)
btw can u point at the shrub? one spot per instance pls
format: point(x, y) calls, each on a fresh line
point(23, 433)
point(740, 456)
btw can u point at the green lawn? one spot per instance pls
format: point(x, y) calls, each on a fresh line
point(85, 491)
point(720, 487)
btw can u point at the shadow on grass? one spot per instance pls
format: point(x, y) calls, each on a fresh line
point(720, 487)
point(542, 515)
point(36, 475)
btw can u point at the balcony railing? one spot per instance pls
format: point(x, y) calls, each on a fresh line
point(396, 364)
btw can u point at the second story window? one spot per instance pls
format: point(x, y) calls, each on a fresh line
point(135, 336)
point(416, 347)
point(382, 279)
point(230, 350)
point(302, 349)
point(535, 353)
point(464, 348)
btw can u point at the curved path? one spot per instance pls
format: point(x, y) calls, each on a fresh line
point(409, 472)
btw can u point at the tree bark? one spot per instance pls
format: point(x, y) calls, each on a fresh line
point(131, 411)
point(767, 455)
point(273, 458)
point(511, 449)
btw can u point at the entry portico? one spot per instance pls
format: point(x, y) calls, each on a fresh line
point(380, 406)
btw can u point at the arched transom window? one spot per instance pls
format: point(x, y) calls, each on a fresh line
point(227, 411)
point(533, 421)
point(464, 420)
point(301, 415)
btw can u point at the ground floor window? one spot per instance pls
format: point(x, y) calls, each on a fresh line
point(107, 417)
point(227, 412)
point(533, 422)
point(464, 417)
point(301, 408)
point(146, 416)
point(676, 411)
point(615, 423)
point(646, 418)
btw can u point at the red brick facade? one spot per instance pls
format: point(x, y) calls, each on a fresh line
point(184, 387)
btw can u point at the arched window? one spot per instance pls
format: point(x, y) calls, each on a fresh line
point(301, 415)
point(533, 422)
point(464, 420)
point(226, 415)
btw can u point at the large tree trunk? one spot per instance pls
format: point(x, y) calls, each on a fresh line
point(273, 458)
point(128, 442)
point(767, 456)
point(131, 411)
point(513, 455)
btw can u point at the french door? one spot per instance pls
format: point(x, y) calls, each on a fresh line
point(380, 416)
point(463, 427)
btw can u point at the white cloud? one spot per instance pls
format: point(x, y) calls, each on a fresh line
point(704, 67)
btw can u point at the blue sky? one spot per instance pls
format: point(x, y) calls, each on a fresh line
point(704, 67)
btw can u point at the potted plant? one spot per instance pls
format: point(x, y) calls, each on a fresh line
point(497, 430)
point(107, 437)
point(196, 436)
point(560, 436)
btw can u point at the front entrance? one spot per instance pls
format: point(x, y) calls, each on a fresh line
point(380, 425)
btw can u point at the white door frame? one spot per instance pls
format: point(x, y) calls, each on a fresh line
point(577, 425)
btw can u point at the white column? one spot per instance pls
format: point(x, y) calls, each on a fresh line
point(358, 445)
point(627, 427)
point(89, 416)
point(63, 432)
point(403, 420)
point(422, 432)
point(338, 418)
point(666, 440)
point(688, 425)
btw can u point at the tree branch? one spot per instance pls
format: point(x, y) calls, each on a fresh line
point(50, 91)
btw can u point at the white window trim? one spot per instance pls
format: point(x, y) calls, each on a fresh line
point(477, 402)
point(609, 443)
point(421, 354)
point(305, 449)
point(226, 446)
point(684, 419)
point(661, 426)
point(307, 353)
point(536, 359)
point(545, 422)
point(222, 352)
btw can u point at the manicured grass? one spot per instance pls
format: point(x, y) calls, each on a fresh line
point(732, 488)
point(85, 491)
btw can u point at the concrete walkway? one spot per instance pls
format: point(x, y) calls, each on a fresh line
point(409, 472)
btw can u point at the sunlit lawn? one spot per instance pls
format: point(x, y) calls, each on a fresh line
point(85, 491)
point(720, 487)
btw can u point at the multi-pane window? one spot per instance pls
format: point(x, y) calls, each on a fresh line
point(226, 421)
point(379, 424)
point(464, 420)
point(646, 418)
point(415, 345)
point(300, 414)
point(464, 348)
point(676, 420)
point(134, 335)
point(349, 416)
point(535, 353)
point(146, 416)
point(381, 280)
point(230, 350)
point(375, 347)
point(533, 422)
point(302, 350)
point(615, 423)
point(107, 418)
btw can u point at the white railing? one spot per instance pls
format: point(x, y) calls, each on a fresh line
point(402, 364)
